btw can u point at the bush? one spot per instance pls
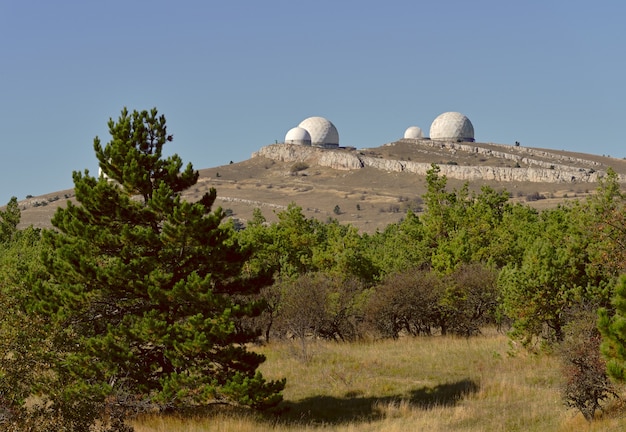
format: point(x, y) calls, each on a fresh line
point(316, 305)
point(535, 196)
point(299, 166)
point(406, 302)
point(470, 300)
point(586, 382)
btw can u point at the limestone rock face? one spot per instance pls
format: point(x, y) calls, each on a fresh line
point(336, 159)
point(536, 170)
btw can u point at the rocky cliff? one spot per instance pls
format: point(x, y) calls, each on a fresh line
point(535, 165)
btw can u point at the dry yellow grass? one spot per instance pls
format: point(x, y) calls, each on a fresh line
point(429, 384)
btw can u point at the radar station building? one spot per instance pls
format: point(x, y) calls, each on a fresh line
point(315, 131)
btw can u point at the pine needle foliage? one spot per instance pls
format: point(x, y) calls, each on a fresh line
point(146, 288)
point(612, 325)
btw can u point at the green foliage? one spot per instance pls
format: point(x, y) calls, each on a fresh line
point(605, 218)
point(612, 325)
point(553, 276)
point(9, 219)
point(399, 247)
point(459, 226)
point(343, 254)
point(146, 292)
point(293, 239)
point(147, 300)
point(24, 343)
point(440, 204)
point(296, 245)
point(512, 236)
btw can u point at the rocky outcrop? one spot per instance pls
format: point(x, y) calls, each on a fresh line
point(336, 159)
point(536, 170)
point(523, 155)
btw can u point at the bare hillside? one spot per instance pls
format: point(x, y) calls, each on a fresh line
point(371, 188)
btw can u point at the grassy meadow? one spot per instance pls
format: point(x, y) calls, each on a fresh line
point(419, 384)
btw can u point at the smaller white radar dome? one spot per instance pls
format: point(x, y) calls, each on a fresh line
point(298, 135)
point(452, 126)
point(414, 132)
point(323, 132)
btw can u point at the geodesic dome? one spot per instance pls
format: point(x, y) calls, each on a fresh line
point(414, 132)
point(298, 135)
point(452, 126)
point(323, 132)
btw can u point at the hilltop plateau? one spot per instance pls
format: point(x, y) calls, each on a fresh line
point(373, 187)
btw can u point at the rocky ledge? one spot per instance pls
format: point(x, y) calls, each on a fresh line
point(558, 169)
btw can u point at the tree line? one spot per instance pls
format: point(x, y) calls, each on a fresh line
point(139, 300)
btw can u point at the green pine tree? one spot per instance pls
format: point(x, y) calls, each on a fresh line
point(612, 325)
point(9, 219)
point(147, 287)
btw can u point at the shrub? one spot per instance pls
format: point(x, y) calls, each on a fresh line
point(299, 166)
point(586, 382)
point(406, 302)
point(535, 196)
point(301, 310)
point(470, 300)
point(316, 305)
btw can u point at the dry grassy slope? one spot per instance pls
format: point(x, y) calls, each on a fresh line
point(367, 198)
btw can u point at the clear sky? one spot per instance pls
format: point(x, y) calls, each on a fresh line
point(233, 76)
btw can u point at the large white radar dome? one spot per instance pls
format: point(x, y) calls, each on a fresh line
point(414, 132)
point(323, 132)
point(452, 126)
point(298, 135)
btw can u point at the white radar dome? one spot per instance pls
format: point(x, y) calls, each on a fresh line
point(323, 132)
point(414, 132)
point(298, 135)
point(452, 126)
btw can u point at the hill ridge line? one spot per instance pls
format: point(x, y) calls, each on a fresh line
point(539, 172)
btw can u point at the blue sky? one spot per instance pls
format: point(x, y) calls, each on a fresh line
point(233, 76)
